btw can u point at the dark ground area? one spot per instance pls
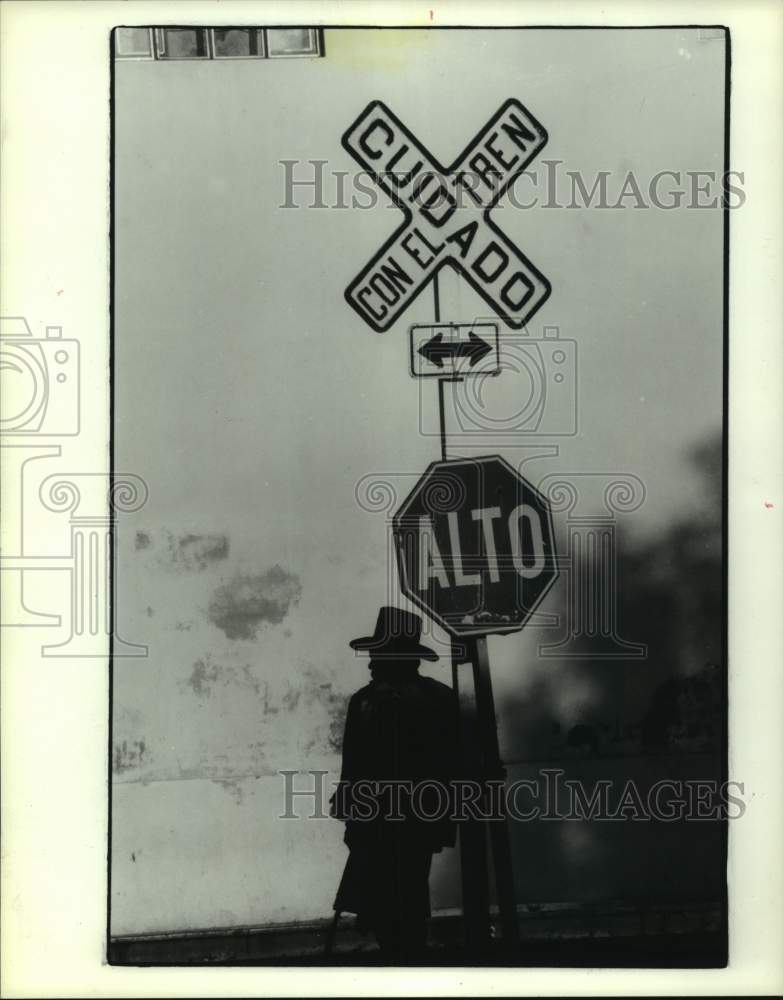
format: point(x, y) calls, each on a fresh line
point(551, 936)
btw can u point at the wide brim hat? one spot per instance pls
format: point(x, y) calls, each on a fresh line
point(397, 634)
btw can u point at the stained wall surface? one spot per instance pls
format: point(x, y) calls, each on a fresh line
point(254, 403)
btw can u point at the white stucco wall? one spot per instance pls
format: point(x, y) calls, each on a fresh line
point(252, 401)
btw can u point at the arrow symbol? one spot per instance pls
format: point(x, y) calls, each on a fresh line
point(435, 350)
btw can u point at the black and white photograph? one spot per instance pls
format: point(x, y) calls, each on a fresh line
point(419, 364)
point(405, 572)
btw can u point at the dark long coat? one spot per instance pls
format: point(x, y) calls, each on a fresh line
point(397, 729)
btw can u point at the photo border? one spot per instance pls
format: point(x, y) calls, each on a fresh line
point(725, 211)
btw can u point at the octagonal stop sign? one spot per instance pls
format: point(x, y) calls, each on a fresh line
point(475, 546)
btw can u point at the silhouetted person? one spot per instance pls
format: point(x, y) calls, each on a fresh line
point(401, 727)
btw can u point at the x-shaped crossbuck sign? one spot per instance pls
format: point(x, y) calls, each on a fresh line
point(446, 215)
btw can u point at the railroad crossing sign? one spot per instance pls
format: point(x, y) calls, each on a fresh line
point(475, 546)
point(454, 350)
point(447, 215)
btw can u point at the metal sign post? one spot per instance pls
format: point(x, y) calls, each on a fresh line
point(474, 873)
point(494, 770)
point(480, 745)
point(475, 547)
point(474, 540)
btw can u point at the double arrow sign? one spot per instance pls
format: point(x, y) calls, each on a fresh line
point(436, 349)
point(446, 215)
point(447, 350)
